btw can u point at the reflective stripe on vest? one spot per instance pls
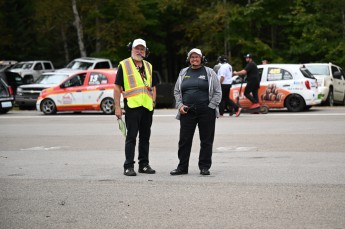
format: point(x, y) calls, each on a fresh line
point(136, 91)
point(129, 73)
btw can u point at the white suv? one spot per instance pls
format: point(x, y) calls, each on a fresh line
point(88, 63)
point(31, 70)
point(331, 82)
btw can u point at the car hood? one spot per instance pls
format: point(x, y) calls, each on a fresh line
point(16, 70)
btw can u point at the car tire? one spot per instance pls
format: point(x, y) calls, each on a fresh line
point(330, 98)
point(21, 107)
point(264, 109)
point(295, 103)
point(4, 111)
point(307, 108)
point(107, 106)
point(48, 107)
point(25, 107)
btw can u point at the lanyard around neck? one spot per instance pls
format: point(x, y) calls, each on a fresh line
point(143, 76)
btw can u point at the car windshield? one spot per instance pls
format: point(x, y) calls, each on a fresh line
point(79, 65)
point(306, 73)
point(18, 65)
point(318, 69)
point(51, 79)
point(27, 65)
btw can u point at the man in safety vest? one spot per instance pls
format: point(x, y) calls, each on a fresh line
point(134, 80)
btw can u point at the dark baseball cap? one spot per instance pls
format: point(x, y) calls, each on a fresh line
point(222, 59)
point(248, 55)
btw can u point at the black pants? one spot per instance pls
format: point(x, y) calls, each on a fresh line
point(205, 118)
point(252, 87)
point(226, 101)
point(138, 120)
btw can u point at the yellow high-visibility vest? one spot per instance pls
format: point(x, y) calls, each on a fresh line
point(136, 92)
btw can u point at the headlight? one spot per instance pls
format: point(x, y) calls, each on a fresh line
point(43, 92)
point(19, 91)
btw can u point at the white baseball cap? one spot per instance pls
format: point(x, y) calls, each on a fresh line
point(194, 50)
point(139, 41)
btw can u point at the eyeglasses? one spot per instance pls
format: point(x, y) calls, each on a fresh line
point(195, 57)
point(138, 48)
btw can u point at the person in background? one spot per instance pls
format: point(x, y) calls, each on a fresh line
point(253, 81)
point(217, 66)
point(197, 93)
point(134, 80)
point(225, 78)
point(265, 61)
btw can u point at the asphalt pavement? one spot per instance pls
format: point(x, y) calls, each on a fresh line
point(278, 170)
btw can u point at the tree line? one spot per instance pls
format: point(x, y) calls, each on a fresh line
point(290, 31)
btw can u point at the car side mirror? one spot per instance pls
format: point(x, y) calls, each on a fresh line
point(337, 75)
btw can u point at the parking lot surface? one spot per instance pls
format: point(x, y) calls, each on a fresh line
point(278, 170)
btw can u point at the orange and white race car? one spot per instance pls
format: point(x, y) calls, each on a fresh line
point(85, 90)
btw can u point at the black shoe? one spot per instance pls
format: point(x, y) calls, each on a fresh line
point(130, 172)
point(146, 169)
point(178, 172)
point(205, 172)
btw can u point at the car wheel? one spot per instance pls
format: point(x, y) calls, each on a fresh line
point(295, 103)
point(4, 111)
point(107, 106)
point(264, 109)
point(25, 107)
point(21, 107)
point(330, 98)
point(48, 107)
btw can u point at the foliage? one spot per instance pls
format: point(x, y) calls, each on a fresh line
point(291, 31)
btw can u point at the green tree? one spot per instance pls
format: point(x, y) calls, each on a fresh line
point(315, 36)
point(291, 31)
point(54, 28)
point(17, 38)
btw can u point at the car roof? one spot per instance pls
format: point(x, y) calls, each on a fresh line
point(8, 62)
point(78, 71)
point(101, 70)
point(281, 65)
point(64, 72)
point(91, 59)
point(317, 63)
point(31, 61)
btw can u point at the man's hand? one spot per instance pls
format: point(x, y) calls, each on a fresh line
point(118, 112)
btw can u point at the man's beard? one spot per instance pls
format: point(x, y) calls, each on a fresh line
point(137, 57)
